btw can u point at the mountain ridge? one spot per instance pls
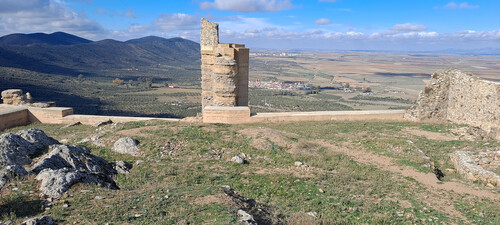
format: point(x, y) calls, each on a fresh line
point(67, 54)
point(56, 38)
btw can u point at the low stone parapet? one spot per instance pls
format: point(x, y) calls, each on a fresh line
point(12, 117)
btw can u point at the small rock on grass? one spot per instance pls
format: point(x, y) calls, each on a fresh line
point(238, 160)
point(43, 220)
point(126, 145)
point(102, 123)
point(245, 218)
point(122, 167)
point(72, 125)
point(313, 214)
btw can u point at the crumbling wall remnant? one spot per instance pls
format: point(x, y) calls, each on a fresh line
point(16, 97)
point(478, 166)
point(224, 69)
point(459, 97)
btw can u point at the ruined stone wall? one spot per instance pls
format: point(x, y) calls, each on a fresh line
point(459, 97)
point(224, 69)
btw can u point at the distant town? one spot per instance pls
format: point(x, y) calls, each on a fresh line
point(276, 85)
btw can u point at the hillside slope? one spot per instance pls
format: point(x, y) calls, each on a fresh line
point(330, 172)
point(66, 54)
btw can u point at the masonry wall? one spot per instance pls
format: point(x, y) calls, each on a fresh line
point(224, 69)
point(460, 98)
point(12, 117)
point(475, 102)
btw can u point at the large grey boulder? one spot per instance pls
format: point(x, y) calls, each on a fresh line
point(74, 157)
point(14, 150)
point(126, 145)
point(56, 182)
point(10, 172)
point(42, 220)
point(37, 138)
point(67, 165)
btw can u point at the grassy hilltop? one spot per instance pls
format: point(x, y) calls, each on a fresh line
point(342, 172)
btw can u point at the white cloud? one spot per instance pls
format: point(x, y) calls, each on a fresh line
point(247, 5)
point(129, 13)
point(29, 16)
point(408, 27)
point(466, 5)
point(178, 21)
point(322, 21)
point(463, 5)
point(451, 5)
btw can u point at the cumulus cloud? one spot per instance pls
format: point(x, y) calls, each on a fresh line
point(463, 5)
point(247, 5)
point(466, 5)
point(451, 5)
point(177, 21)
point(408, 27)
point(322, 21)
point(129, 13)
point(30, 16)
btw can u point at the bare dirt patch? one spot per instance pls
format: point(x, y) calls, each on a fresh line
point(263, 138)
point(138, 131)
point(437, 193)
point(429, 134)
point(213, 199)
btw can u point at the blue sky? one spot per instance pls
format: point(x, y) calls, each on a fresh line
point(276, 24)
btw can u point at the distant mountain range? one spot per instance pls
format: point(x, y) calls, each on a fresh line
point(57, 38)
point(67, 54)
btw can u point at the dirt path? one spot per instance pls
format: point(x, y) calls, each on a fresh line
point(438, 194)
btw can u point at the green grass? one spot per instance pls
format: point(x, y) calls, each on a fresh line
point(336, 186)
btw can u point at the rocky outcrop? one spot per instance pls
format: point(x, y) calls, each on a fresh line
point(459, 97)
point(43, 220)
point(56, 182)
point(73, 157)
point(126, 145)
point(67, 165)
point(10, 172)
point(57, 170)
point(37, 138)
point(94, 140)
point(14, 150)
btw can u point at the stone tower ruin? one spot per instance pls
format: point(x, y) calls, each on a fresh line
point(224, 77)
point(224, 69)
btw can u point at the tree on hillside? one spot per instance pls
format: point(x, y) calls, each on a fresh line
point(118, 81)
point(80, 77)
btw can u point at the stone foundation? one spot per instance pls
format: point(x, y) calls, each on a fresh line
point(478, 166)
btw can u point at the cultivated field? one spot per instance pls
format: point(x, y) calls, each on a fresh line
point(338, 81)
